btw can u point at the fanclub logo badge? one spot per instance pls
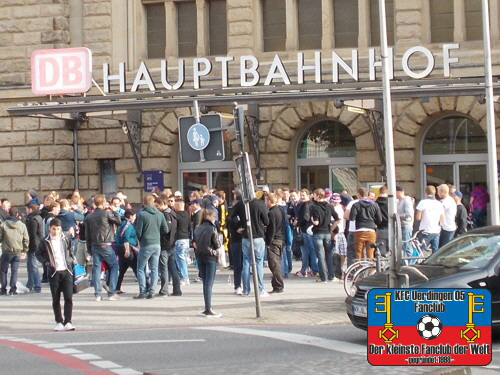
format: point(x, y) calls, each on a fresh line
point(429, 327)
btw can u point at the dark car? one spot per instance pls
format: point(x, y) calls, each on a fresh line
point(469, 261)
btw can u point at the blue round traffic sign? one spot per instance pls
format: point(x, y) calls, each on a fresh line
point(198, 137)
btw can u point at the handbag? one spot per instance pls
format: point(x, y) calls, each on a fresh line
point(80, 279)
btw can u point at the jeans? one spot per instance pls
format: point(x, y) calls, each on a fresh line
point(148, 255)
point(237, 257)
point(445, 236)
point(309, 258)
point(34, 280)
point(62, 282)
point(383, 237)
point(479, 217)
point(405, 238)
point(124, 264)
point(287, 260)
point(274, 255)
point(181, 256)
point(324, 252)
point(106, 254)
point(168, 266)
point(207, 268)
point(351, 253)
point(5, 261)
point(260, 249)
point(431, 239)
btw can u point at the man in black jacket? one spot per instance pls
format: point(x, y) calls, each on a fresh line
point(461, 217)
point(321, 217)
point(366, 215)
point(275, 236)
point(309, 259)
point(55, 251)
point(383, 227)
point(100, 233)
point(34, 224)
point(259, 219)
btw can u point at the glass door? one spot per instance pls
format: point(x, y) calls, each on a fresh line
point(469, 176)
point(223, 180)
point(314, 177)
point(343, 178)
point(219, 180)
point(192, 181)
point(437, 174)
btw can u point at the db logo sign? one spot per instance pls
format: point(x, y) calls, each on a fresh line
point(61, 71)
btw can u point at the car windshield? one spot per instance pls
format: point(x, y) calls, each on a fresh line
point(467, 251)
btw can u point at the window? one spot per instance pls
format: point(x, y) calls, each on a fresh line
point(186, 28)
point(441, 21)
point(327, 139)
point(345, 23)
point(217, 27)
point(310, 24)
point(375, 22)
point(274, 25)
point(473, 20)
point(156, 33)
point(108, 177)
point(455, 135)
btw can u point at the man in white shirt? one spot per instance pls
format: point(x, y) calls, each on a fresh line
point(430, 212)
point(448, 224)
point(55, 251)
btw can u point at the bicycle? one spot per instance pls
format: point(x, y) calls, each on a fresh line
point(420, 250)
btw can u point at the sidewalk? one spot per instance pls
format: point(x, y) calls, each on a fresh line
point(304, 302)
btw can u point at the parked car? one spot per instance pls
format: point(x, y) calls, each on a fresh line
point(469, 261)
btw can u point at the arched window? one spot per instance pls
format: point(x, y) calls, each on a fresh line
point(455, 135)
point(327, 139)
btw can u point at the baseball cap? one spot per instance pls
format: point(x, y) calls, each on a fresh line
point(213, 198)
point(399, 188)
point(196, 201)
point(328, 192)
point(458, 194)
point(178, 194)
point(335, 198)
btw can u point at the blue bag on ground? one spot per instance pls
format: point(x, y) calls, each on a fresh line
point(80, 278)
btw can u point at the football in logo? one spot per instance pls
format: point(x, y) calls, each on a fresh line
point(429, 327)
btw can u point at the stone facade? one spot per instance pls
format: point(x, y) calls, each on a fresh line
point(38, 152)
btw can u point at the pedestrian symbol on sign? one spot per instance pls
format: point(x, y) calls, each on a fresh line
point(198, 137)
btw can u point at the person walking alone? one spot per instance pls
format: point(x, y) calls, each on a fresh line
point(206, 242)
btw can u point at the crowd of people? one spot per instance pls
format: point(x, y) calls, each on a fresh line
point(323, 228)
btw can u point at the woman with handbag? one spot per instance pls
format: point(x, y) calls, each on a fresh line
point(206, 242)
point(126, 247)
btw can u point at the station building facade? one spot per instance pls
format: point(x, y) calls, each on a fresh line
point(316, 143)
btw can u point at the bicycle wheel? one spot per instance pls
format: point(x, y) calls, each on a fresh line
point(351, 271)
point(364, 272)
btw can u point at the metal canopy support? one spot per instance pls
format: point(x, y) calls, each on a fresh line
point(133, 131)
point(377, 127)
point(253, 132)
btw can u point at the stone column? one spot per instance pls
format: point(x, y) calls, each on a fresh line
point(171, 29)
point(327, 24)
point(292, 26)
point(203, 33)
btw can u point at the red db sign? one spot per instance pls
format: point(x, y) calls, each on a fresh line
point(61, 71)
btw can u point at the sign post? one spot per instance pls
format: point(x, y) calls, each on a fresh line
point(247, 193)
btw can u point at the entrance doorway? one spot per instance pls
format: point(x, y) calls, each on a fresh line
point(217, 179)
point(326, 158)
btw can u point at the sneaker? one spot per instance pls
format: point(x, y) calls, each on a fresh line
point(238, 291)
point(309, 273)
point(212, 314)
point(185, 282)
point(119, 292)
point(3, 292)
point(59, 327)
point(203, 313)
point(98, 299)
point(150, 296)
point(300, 274)
point(140, 296)
point(69, 327)
point(197, 280)
point(277, 291)
point(264, 294)
point(162, 294)
point(114, 297)
point(178, 294)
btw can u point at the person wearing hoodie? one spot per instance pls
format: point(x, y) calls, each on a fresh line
point(68, 220)
point(321, 217)
point(15, 242)
point(34, 224)
point(366, 215)
point(383, 227)
point(55, 251)
point(149, 226)
point(100, 234)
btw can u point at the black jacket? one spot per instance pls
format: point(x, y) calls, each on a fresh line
point(100, 227)
point(276, 229)
point(195, 221)
point(366, 214)
point(304, 215)
point(322, 212)
point(183, 225)
point(258, 217)
point(34, 224)
point(233, 223)
point(206, 239)
point(384, 209)
point(167, 239)
point(45, 254)
point(461, 220)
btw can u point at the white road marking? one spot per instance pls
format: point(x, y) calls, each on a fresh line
point(86, 356)
point(52, 346)
point(335, 345)
point(68, 351)
point(125, 371)
point(127, 342)
point(105, 364)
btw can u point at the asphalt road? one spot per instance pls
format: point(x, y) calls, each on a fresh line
point(207, 350)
